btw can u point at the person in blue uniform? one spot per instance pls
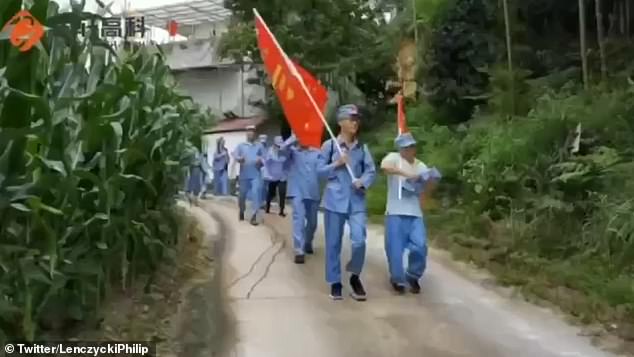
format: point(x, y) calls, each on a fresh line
point(196, 176)
point(408, 178)
point(303, 189)
point(345, 200)
point(266, 178)
point(221, 168)
point(206, 174)
point(276, 169)
point(250, 155)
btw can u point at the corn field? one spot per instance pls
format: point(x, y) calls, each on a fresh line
point(92, 148)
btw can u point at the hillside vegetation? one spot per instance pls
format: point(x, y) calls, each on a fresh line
point(525, 106)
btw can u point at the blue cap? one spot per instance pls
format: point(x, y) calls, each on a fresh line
point(278, 141)
point(347, 111)
point(404, 140)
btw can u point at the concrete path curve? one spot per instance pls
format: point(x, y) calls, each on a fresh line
point(283, 310)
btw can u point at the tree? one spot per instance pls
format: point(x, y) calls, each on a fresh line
point(341, 41)
point(509, 51)
point(462, 44)
point(583, 44)
point(600, 38)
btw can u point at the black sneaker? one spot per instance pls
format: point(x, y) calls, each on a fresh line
point(414, 286)
point(282, 214)
point(358, 292)
point(308, 249)
point(254, 222)
point(400, 289)
point(335, 291)
point(299, 259)
point(241, 218)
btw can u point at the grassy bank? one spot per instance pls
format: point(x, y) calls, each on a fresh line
point(542, 205)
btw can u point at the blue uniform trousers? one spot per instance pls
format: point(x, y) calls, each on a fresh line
point(304, 223)
point(405, 232)
point(221, 183)
point(334, 225)
point(250, 187)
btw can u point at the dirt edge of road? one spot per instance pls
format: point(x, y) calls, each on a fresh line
point(182, 309)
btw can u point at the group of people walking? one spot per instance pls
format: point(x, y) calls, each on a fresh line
point(346, 166)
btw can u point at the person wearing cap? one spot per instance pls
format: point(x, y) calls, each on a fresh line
point(345, 200)
point(408, 178)
point(250, 155)
point(221, 168)
point(266, 178)
point(303, 189)
point(275, 165)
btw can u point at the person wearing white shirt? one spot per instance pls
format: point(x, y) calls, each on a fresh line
point(408, 178)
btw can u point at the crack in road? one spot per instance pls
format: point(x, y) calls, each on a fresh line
point(252, 268)
point(276, 237)
point(267, 269)
point(255, 263)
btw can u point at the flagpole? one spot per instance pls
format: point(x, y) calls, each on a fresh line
point(399, 107)
point(295, 73)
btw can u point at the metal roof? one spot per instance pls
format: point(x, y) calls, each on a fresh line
point(193, 12)
point(238, 124)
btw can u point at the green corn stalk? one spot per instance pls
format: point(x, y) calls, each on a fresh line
point(91, 148)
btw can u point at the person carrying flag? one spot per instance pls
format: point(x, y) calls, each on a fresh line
point(404, 225)
point(250, 155)
point(303, 189)
point(345, 200)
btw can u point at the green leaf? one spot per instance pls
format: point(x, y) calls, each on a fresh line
point(118, 132)
point(156, 145)
point(54, 165)
point(20, 207)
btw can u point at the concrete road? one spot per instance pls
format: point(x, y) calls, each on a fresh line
point(280, 309)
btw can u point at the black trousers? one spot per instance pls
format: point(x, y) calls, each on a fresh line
point(280, 187)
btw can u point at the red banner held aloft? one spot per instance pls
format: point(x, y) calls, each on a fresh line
point(294, 96)
point(401, 121)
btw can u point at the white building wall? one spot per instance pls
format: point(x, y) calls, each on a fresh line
point(222, 90)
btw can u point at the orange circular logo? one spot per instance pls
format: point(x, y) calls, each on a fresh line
point(26, 32)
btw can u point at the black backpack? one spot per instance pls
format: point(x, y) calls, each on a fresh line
point(332, 152)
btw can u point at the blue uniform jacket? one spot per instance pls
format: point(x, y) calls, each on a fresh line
point(250, 152)
point(340, 195)
point(303, 178)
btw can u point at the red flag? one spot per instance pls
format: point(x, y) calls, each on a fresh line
point(300, 94)
point(172, 28)
point(319, 93)
point(402, 123)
